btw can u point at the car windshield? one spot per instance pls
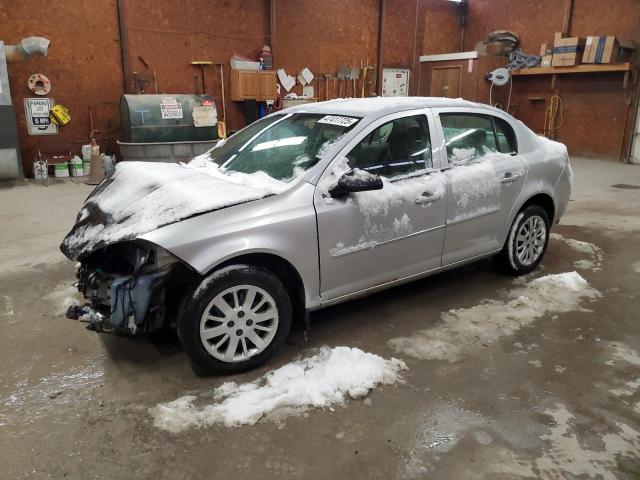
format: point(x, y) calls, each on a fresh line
point(282, 146)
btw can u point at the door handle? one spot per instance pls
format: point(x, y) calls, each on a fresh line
point(428, 197)
point(508, 177)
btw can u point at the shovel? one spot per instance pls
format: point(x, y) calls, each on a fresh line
point(343, 74)
point(353, 76)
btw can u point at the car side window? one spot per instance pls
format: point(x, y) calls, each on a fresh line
point(506, 136)
point(467, 136)
point(398, 147)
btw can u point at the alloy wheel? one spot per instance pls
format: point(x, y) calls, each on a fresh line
point(238, 323)
point(530, 240)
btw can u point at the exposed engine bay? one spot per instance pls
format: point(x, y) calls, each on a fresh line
point(129, 288)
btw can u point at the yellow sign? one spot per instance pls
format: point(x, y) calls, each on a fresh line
point(60, 115)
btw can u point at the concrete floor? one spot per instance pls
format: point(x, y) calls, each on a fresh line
point(557, 399)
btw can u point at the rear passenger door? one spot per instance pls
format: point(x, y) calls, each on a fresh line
point(485, 175)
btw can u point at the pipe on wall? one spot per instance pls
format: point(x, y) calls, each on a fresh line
point(27, 48)
point(124, 48)
point(379, 48)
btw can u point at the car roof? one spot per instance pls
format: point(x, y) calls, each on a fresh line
point(379, 106)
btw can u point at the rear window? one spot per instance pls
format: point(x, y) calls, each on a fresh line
point(467, 135)
point(506, 136)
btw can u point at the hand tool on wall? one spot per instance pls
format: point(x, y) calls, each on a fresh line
point(201, 64)
point(354, 76)
point(343, 75)
point(222, 126)
point(365, 69)
point(329, 79)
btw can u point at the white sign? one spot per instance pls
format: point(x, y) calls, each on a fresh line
point(395, 82)
point(338, 120)
point(204, 116)
point(170, 108)
point(37, 116)
point(287, 81)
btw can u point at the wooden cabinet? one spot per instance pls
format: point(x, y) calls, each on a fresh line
point(257, 85)
point(266, 85)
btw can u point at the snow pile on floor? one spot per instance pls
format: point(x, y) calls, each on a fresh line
point(569, 450)
point(329, 378)
point(142, 196)
point(593, 251)
point(463, 329)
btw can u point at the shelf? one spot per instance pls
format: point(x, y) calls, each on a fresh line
point(586, 68)
point(626, 68)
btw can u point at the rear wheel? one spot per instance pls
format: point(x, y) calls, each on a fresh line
point(235, 319)
point(527, 242)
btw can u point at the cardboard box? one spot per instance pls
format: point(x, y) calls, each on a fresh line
point(600, 49)
point(546, 61)
point(545, 49)
point(567, 52)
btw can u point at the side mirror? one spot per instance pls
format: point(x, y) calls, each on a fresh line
point(355, 180)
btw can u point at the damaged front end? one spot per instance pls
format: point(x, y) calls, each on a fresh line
point(130, 287)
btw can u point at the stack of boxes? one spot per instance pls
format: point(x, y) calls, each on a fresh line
point(567, 52)
point(570, 51)
point(546, 55)
point(600, 50)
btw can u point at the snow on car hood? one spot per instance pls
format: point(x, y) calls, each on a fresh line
point(139, 197)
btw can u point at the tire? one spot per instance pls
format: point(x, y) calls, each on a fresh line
point(234, 320)
point(527, 241)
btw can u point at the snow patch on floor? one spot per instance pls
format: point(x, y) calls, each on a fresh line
point(627, 390)
point(32, 400)
point(463, 329)
point(329, 378)
point(595, 253)
point(625, 354)
point(63, 296)
point(566, 453)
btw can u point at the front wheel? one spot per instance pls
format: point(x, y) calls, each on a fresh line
point(235, 319)
point(527, 242)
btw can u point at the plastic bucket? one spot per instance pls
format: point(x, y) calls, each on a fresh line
point(77, 170)
point(86, 152)
point(60, 170)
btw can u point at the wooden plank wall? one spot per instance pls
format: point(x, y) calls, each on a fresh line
point(86, 69)
point(598, 112)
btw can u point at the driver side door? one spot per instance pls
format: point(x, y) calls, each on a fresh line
point(371, 238)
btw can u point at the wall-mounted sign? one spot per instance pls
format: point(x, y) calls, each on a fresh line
point(395, 82)
point(170, 108)
point(37, 116)
point(204, 116)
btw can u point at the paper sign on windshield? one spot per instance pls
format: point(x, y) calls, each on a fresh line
point(338, 120)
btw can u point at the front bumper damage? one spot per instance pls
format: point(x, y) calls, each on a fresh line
point(129, 301)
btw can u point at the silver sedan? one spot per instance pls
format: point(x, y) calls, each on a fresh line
point(306, 208)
